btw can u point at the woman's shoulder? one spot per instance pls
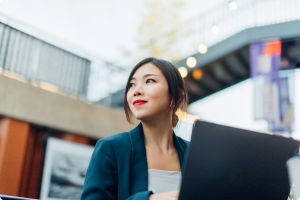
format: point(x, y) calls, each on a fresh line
point(116, 140)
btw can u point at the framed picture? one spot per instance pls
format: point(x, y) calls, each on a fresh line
point(65, 168)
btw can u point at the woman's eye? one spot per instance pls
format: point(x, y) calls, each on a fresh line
point(150, 80)
point(131, 85)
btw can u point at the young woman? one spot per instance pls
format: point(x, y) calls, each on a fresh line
point(146, 162)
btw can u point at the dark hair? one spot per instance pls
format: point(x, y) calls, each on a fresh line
point(175, 82)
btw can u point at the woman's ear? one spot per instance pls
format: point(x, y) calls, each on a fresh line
point(172, 105)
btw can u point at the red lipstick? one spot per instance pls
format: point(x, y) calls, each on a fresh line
point(139, 102)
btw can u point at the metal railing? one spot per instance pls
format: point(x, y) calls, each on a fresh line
point(41, 63)
point(105, 79)
point(45, 61)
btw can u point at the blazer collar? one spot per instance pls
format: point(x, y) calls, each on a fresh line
point(180, 150)
point(139, 165)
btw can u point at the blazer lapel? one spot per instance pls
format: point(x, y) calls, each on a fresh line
point(180, 150)
point(139, 170)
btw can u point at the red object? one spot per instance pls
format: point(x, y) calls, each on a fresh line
point(139, 102)
point(272, 47)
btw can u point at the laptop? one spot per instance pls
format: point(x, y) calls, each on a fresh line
point(226, 163)
point(10, 197)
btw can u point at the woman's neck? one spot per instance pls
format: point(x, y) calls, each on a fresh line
point(158, 134)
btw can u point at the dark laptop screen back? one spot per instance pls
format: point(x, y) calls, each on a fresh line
point(231, 163)
point(10, 197)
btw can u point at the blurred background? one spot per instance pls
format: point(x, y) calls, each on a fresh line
point(64, 65)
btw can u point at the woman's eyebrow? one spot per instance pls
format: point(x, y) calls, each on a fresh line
point(146, 75)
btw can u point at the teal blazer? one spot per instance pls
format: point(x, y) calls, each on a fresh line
point(118, 168)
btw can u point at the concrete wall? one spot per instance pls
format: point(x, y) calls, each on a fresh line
point(23, 101)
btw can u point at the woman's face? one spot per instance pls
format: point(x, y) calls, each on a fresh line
point(148, 94)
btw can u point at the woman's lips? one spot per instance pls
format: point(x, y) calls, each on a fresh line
point(138, 102)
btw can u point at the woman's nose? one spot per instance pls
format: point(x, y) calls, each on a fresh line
point(138, 91)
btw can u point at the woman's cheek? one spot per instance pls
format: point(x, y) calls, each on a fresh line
point(129, 99)
point(161, 94)
point(155, 91)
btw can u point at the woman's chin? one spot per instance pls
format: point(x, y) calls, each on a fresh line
point(140, 117)
point(145, 118)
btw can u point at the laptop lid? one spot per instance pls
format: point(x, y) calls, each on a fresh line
point(231, 163)
point(10, 197)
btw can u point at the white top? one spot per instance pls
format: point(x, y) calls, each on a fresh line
point(163, 181)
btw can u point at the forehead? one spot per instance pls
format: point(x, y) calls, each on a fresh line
point(147, 68)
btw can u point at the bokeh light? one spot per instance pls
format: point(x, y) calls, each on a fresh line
point(215, 30)
point(232, 5)
point(191, 62)
point(183, 71)
point(202, 48)
point(197, 74)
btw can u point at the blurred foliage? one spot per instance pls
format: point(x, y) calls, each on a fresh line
point(156, 31)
